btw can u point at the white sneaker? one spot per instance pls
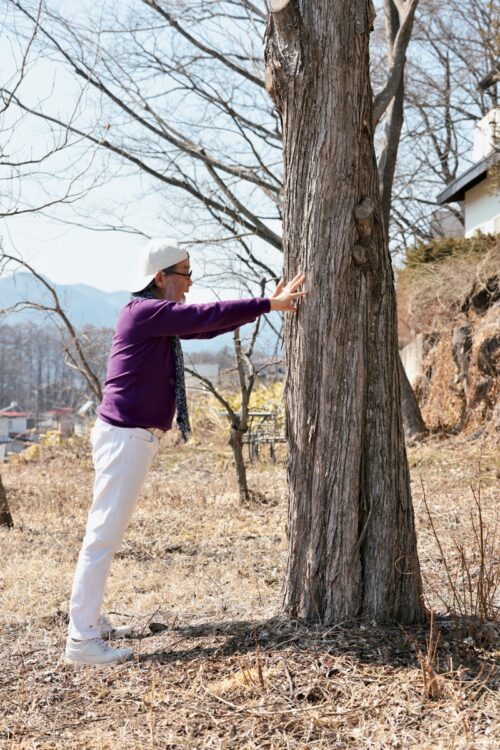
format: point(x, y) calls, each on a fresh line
point(107, 630)
point(94, 651)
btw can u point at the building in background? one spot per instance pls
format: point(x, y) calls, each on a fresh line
point(60, 419)
point(14, 429)
point(479, 186)
point(13, 422)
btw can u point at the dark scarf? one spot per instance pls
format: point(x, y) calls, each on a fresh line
point(182, 417)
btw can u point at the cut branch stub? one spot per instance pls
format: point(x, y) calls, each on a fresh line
point(359, 255)
point(283, 51)
point(286, 18)
point(364, 209)
point(363, 213)
point(268, 82)
point(277, 5)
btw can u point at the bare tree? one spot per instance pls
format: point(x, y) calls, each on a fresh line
point(76, 356)
point(248, 374)
point(454, 48)
point(217, 170)
point(398, 25)
point(11, 169)
point(32, 367)
point(144, 82)
point(352, 543)
point(233, 192)
point(238, 418)
point(31, 177)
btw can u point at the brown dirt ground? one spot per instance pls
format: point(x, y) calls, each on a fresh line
point(227, 671)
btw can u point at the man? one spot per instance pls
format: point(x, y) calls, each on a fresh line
point(144, 388)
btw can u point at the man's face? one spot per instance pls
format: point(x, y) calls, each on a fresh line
point(175, 285)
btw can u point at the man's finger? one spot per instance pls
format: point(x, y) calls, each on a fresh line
point(296, 281)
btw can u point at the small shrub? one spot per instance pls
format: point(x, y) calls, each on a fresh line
point(263, 398)
point(439, 249)
point(52, 439)
point(474, 579)
point(31, 454)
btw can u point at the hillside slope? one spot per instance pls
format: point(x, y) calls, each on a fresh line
point(449, 326)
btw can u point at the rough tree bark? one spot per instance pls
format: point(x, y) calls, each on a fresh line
point(352, 542)
point(5, 516)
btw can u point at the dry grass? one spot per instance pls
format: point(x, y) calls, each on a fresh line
point(226, 671)
point(465, 400)
point(448, 285)
point(430, 295)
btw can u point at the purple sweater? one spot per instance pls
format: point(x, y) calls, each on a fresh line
point(139, 390)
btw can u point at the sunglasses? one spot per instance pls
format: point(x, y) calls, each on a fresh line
point(178, 273)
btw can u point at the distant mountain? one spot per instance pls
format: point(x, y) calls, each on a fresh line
point(84, 305)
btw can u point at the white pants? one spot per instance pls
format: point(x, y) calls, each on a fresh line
point(122, 457)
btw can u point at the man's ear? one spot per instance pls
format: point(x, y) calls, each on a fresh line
point(159, 279)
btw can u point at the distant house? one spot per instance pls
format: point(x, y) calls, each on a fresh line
point(60, 418)
point(479, 186)
point(5, 444)
point(14, 429)
point(13, 423)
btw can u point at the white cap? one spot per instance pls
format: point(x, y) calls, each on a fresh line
point(158, 254)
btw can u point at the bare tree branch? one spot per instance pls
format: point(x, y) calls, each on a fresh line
point(382, 99)
point(57, 309)
point(204, 48)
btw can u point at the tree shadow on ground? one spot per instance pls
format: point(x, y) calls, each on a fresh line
point(361, 643)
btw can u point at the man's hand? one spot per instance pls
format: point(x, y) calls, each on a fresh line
point(286, 297)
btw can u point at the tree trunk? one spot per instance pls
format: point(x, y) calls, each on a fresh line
point(236, 443)
point(352, 542)
point(5, 516)
point(413, 421)
point(414, 425)
point(394, 118)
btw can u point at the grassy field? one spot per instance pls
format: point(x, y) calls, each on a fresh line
point(215, 665)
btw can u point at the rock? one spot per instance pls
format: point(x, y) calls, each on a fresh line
point(488, 356)
point(461, 347)
point(157, 627)
point(483, 295)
